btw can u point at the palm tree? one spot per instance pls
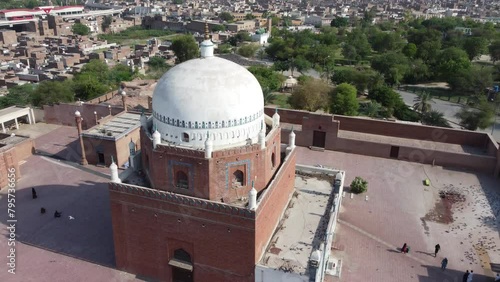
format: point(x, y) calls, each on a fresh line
point(269, 96)
point(423, 102)
point(434, 118)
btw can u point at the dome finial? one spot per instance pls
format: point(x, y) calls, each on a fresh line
point(207, 35)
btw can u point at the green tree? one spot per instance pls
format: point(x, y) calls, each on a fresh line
point(418, 72)
point(359, 185)
point(226, 16)
point(267, 77)
point(393, 65)
point(435, 118)
point(106, 22)
point(339, 22)
point(472, 81)
point(185, 48)
point(157, 63)
point(241, 36)
point(343, 100)
point(371, 109)
point(248, 50)
point(50, 92)
point(224, 48)
point(363, 79)
point(423, 102)
point(475, 47)
point(269, 96)
point(80, 29)
point(20, 95)
point(97, 68)
point(356, 45)
point(87, 86)
point(387, 41)
point(385, 96)
point(218, 27)
point(451, 61)
point(494, 50)
point(474, 118)
point(310, 95)
point(120, 73)
point(410, 50)
point(249, 17)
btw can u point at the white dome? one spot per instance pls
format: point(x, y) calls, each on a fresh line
point(208, 94)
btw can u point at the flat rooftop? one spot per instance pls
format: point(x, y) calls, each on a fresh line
point(10, 110)
point(7, 140)
point(302, 226)
point(115, 127)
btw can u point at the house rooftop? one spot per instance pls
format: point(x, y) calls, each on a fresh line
point(115, 127)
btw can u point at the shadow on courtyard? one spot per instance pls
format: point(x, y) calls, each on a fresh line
point(435, 274)
point(88, 236)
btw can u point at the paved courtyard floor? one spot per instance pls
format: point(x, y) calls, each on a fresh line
point(60, 249)
point(399, 209)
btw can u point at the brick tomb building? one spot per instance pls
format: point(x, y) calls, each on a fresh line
point(219, 177)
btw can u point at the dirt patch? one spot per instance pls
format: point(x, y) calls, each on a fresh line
point(442, 211)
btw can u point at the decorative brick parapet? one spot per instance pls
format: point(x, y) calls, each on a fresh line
point(180, 199)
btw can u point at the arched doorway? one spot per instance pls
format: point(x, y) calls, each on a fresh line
point(182, 266)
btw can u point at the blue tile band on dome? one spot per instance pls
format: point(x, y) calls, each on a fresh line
point(207, 124)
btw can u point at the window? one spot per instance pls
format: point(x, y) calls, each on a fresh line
point(223, 124)
point(183, 124)
point(185, 137)
point(180, 254)
point(189, 124)
point(273, 160)
point(238, 178)
point(203, 124)
point(209, 124)
point(195, 124)
point(182, 180)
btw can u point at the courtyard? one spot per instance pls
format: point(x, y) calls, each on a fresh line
point(398, 209)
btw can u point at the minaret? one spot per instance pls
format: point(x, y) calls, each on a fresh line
point(252, 198)
point(262, 136)
point(78, 120)
point(124, 98)
point(209, 147)
point(207, 46)
point(156, 138)
point(291, 141)
point(144, 119)
point(276, 119)
point(114, 171)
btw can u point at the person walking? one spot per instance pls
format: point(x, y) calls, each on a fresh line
point(466, 275)
point(469, 279)
point(33, 193)
point(444, 263)
point(497, 278)
point(403, 249)
point(436, 249)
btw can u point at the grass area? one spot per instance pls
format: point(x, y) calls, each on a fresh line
point(440, 93)
point(281, 101)
point(136, 35)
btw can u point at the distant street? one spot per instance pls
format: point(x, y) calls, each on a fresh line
point(449, 110)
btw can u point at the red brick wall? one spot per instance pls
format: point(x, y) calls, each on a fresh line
point(147, 231)
point(419, 132)
point(8, 159)
point(273, 204)
point(64, 114)
point(447, 159)
point(211, 178)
